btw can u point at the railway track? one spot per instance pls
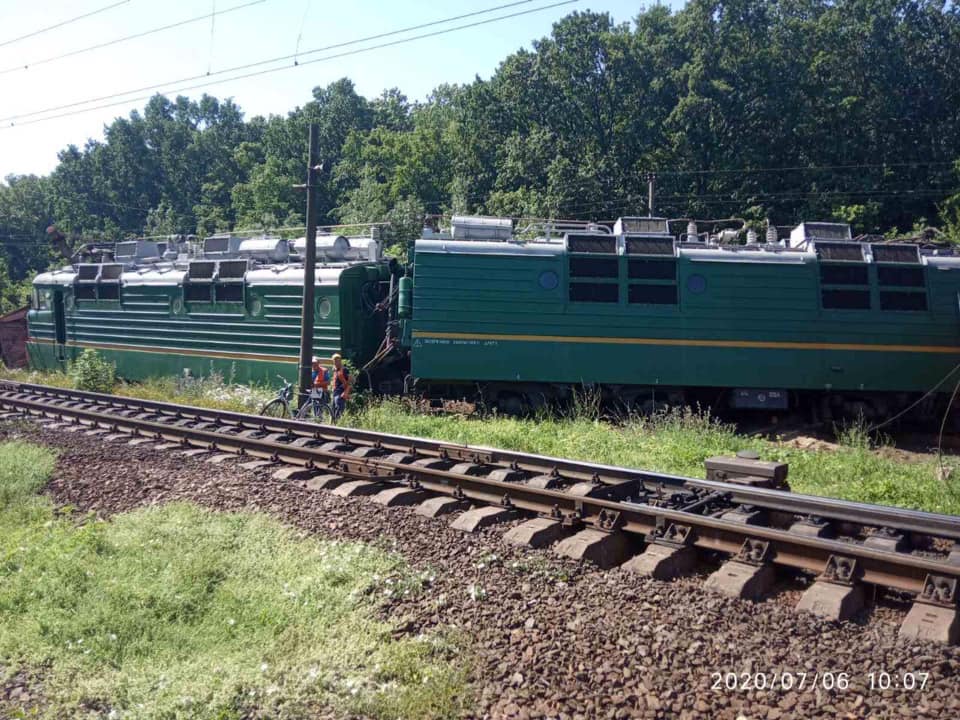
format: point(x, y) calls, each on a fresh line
point(600, 513)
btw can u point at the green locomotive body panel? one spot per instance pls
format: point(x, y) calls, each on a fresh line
point(697, 317)
point(248, 333)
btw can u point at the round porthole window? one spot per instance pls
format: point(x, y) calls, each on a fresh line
point(548, 280)
point(176, 306)
point(324, 308)
point(256, 308)
point(696, 284)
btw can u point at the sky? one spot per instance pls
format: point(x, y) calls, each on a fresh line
point(194, 53)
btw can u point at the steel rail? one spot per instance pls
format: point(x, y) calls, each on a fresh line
point(879, 516)
point(898, 570)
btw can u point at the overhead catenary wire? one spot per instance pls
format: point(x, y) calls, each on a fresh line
point(213, 27)
point(303, 23)
point(269, 61)
point(63, 23)
point(126, 38)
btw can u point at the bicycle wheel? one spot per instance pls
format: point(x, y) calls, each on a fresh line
point(276, 408)
point(314, 410)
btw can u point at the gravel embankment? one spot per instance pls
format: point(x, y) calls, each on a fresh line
point(547, 637)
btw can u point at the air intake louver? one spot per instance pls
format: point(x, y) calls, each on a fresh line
point(649, 246)
point(896, 254)
point(846, 252)
point(592, 244)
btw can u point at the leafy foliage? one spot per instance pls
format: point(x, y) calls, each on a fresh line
point(779, 109)
point(91, 372)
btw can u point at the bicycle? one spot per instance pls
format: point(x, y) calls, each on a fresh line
point(317, 407)
point(279, 407)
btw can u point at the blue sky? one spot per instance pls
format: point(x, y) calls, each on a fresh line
point(261, 31)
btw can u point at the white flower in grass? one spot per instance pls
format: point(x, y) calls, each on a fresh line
point(231, 622)
point(264, 667)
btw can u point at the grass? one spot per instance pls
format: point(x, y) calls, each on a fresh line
point(179, 612)
point(676, 442)
point(211, 391)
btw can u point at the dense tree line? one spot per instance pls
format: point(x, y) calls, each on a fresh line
point(779, 109)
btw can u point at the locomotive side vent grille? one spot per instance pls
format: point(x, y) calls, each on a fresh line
point(594, 267)
point(899, 300)
point(844, 275)
point(846, 299)
point(594, 292)
point(901, 276)
point(650, 246)
point(196, 293)
point(231, 292)
point(604, 244)
point(653, 294)
point(844, 252)
point(904, 254)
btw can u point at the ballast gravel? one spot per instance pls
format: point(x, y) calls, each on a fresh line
point(551, 638)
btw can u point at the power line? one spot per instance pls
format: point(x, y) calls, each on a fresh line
point(294, 57)
point(135, 36)
point(746, 171)
point(62, 23)
point(213, 27)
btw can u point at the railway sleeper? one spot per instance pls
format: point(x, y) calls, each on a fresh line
point(603, 549)
point(536, 533)
point(837, 593)
point(934, 615)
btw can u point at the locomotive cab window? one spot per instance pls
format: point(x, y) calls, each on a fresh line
point(41, 299)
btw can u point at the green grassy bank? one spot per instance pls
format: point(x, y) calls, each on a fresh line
point(178, 612)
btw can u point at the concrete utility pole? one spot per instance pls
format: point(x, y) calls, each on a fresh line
point(651, 182)
point(309, 272)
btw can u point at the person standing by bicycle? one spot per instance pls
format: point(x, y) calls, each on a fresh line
point(341, 386)
point(321, 376)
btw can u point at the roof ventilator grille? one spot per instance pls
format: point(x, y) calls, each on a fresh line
point(844, 252)
point(896, 254)
point(650, 246)
point(592, 244)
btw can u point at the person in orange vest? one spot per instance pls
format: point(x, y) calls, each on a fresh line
point(321, 376)
point(341, 386)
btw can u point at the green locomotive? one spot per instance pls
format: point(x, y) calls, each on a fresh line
point(649, 317)
point(521, 318)
point(233, 307)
